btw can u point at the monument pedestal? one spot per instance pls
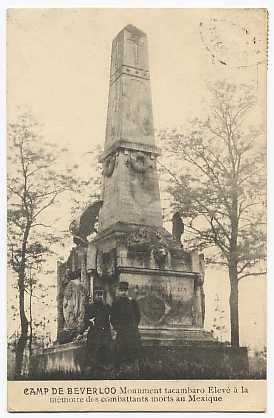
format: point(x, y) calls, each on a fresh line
point(165, 280)
point(175, 337)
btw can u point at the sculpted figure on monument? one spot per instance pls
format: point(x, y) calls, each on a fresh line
point(144, 238)
point(109, 165)
point(139, 237)
point(140, 161)
point(177, 227)
point(160, 255)
point(74, 304)
point(106, 263)
point(99, 263)
point(83, 226)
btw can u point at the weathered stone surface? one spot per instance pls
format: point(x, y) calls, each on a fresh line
point(74, 301)
point(141, 246)
point(165, 300)
point(129, 116)
point(73, 288)
point(131, 190)
point(65, 360)
point(131, 194)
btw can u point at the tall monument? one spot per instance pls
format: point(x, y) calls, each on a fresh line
point(131, 244)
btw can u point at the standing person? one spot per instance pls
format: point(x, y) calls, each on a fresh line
point(125, 318)
point(97, 321)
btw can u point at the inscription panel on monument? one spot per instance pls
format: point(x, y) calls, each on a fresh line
point(137, 108)
point(163, 301)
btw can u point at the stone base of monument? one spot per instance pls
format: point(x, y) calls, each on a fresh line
point(59, 360)
point(164, 358)
point(174, 336)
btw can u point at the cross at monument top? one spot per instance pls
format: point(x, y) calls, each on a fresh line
point(129, 48)
point(136, 42)
point(130, 119)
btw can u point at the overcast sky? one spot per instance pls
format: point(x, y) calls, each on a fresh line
point(58, 65)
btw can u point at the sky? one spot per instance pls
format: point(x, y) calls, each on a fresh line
point(58, 68)
point(58, 65)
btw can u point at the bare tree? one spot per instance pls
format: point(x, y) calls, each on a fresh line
point(217, 183)
point(35, 185)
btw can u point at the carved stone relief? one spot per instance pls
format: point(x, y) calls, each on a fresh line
point(74, 301)
point(143, 237)
point(140, 162)
point(160, 255)
point(109, 165)
point(106, 263)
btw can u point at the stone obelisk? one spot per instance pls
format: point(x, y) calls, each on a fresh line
point(131, 190)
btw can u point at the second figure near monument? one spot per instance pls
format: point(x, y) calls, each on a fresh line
point(124, 316)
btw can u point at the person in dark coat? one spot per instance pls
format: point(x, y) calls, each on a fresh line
point(125, 318)
point(97, 321)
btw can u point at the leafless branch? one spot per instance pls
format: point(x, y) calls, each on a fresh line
point(263, 273)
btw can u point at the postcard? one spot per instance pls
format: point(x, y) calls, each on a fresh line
point(136, 209)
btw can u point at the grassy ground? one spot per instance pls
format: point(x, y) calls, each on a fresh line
point(152, 370)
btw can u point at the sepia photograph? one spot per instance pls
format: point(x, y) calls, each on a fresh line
point(136, 213)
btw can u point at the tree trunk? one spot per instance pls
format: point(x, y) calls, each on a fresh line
point(30, 322)
point(233, 272)
point(21, 344)
point(234, 308)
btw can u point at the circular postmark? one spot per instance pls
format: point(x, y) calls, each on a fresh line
point(232, 44)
